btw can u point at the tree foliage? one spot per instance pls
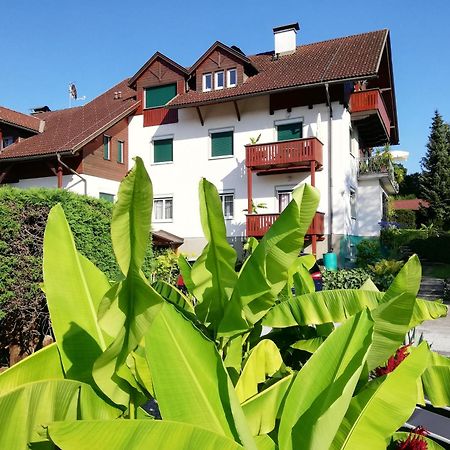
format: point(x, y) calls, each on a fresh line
point(435, 177)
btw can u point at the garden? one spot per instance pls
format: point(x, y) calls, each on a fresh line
point(138, 363)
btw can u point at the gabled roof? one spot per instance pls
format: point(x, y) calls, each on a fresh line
point(68, 130)
point(150, 62)
point(344, 58)
point(413, 204)
point(17, 119)
point(218, 44)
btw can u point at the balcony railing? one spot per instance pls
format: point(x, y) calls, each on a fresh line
point(259, 224)
point(370, 102)
point(377, 165)
point(284, 154)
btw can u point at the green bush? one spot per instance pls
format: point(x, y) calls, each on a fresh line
point(23, 215)
point(405, 217)
point(368, 252)
point(344, 279)
point(165, 266)
point(434, 249)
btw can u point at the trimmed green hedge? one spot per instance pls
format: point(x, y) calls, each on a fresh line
point(23, 215)
point(434, 249)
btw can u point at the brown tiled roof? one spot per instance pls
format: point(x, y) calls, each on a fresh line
point(413, 204)
point(337, 59)
point(70, 129)
point(20, 120)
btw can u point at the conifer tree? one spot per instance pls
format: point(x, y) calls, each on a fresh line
point(435, 177)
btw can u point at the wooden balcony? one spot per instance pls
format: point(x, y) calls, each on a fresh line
point(259, 224)
point(372, 120)
point(159, 116)
point(284, 156)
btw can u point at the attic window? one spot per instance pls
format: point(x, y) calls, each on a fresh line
point(231, 77)
point(207, 82)
point(158, 96)
point(219, 80)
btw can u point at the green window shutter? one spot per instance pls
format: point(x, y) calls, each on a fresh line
point(107, 197)
point(159, 95)
point(163, 150)
point(289, 131)
point(119, 151)
point(222, 144)
point(106, 147)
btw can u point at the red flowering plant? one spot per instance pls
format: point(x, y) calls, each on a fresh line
point(414, 440)
point(393, 362)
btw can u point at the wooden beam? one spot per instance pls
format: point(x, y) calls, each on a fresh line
point(52, 168)
point(60, 176)
point(4, 172)
point(200, 115)
point(236, 108)
point(249, 191)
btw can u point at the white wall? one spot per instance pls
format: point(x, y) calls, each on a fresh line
point(370, 207)
point(191, 161)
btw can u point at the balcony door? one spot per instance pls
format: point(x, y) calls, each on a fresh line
point(284, 197)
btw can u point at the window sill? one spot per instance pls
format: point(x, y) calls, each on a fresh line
point(162, 163)
point(221, 157)
point(162, 220)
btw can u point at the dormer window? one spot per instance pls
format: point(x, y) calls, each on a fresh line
point(219, 80)
point(207, 82)
point(231, 77)
point(158, 96)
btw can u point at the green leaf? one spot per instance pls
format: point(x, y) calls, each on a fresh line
point(30, 405)
point(321, 307)
point(436, 380)
point(190, 381)
point(389, 400)
point(322, 390)
point(42, 365)
point(264, 442)
point(136, 435)
point(369, 285)
point(391, 325)
point(185, 269)
point(431, 445)
point(309, 345)
point(74, 288)
point(264, 360)
point(130, 227)
point(173, 295)
point(265, 272)
point(262, 410)
point(299, 277)
point(427, 310)
point(213, 274)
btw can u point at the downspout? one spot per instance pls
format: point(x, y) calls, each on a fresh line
point(330, 170)
point(74, 172)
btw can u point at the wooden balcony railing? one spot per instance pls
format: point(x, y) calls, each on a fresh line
point(159, 116)
point(259, 224)
point(284, 154)
point(370, 101)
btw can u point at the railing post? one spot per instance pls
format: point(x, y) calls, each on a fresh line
point(249, 191)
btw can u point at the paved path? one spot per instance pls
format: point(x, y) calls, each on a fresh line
point(437, 333)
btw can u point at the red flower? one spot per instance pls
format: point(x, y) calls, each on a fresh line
point(393, 361)
point(414, 441)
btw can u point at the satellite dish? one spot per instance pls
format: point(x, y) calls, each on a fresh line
point(399, 155)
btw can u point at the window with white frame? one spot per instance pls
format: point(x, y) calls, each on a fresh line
point(207, 82)
point(227, 199)
point(106, 147)
point(231, 77)
point(221, 143)
point(7, 141)
point(219, 79)
point(284, 197)
point(163, 209)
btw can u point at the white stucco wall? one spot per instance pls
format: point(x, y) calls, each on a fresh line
point(370, 207)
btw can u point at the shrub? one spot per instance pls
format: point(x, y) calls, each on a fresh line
point(405, 217)
point(384, 271)
point(368, 252)
point(165, 266)
point(344, 279)
point(23, 214)
point(435, 248)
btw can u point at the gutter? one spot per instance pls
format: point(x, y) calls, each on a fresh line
point(330, 170)
point(34, 157)
point(58, 156)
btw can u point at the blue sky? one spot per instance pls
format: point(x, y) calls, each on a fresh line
point(48, 43)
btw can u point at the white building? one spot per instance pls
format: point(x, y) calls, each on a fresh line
point(315, 110)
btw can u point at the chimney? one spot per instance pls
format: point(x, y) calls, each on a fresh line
point(285, 39)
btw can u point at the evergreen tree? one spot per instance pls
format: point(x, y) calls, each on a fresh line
point(435, 177)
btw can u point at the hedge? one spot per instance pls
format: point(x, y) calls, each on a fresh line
point(23, 215)
point(434, 249)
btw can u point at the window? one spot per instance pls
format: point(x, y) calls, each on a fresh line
point(353, 205)
point(222, 144)
point(220, 80)
point(207, 82)
point(163, 150)
point(107, 197)
point(288, 131)
point(7, 141)
point(158, 96)
point(120, 152)
point(231, 78)
point(163, 209)
point(107, 147)
point(284, 197)
point(227, 205)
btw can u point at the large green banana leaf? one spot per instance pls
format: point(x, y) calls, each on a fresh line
point(136, 435)
point(436, 380)
point(129, 307)
point(186, 269)
point(43, 365)
point(309, 345)
point(173, 295)
point(262, 410)
point(213, 274)
point(322, 390)
point(24, 409)
point(264, 442)
point(383, 406)
point(265, 272)
point(190, 382)
point(431, 445)
point(264, 360)
point(74, 288)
